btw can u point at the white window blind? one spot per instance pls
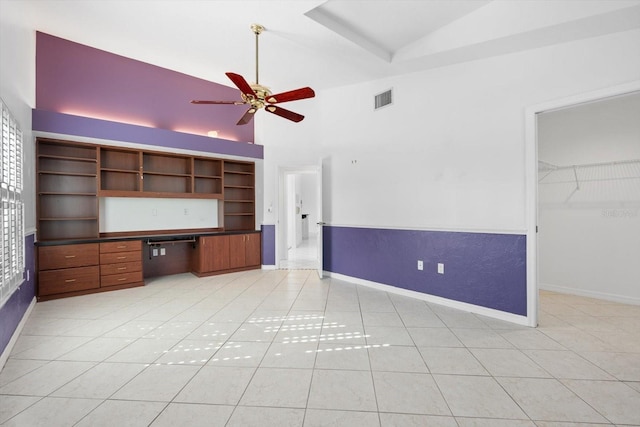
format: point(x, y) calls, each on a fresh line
point(12, 217)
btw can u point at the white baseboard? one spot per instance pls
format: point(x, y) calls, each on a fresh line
point(591, 294)
point(484, 311)
point(269, 267)
point(5, 354)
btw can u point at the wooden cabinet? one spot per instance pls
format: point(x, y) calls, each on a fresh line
point(68, 269)
point(227, 253)
point(244, 250)
point(121, 263)
point(67, 185)
point(212, 254)
point(239, 196)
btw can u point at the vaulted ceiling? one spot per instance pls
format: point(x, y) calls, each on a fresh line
point(323, 44)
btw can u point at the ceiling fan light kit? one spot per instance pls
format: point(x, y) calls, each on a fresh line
point(257, 96)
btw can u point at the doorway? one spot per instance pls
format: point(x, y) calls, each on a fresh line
point(588, 198)
point(299, 213)
point(533, 175)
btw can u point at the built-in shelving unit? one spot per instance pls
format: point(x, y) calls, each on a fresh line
point(67, 187)
point(72, 176)
point(239, 195)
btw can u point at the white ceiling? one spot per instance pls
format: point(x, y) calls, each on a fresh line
point(322, 44)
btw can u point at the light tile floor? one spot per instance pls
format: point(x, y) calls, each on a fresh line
point(303, 257)
point(283, 348)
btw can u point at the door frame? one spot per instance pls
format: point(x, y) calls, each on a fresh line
point(531, 170)
point(281, 225)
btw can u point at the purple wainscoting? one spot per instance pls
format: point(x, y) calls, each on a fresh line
point(487, 270)
point(12, 312)
point(80, 80)
point(268, 244)
point(48, 121)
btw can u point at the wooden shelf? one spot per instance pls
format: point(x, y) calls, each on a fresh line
point(186, 175)
point(120, 170)
point(67, 186)
point(56, 193)
point(67, 151)
point(47, 172)
point(239, 195)
point(91, 218)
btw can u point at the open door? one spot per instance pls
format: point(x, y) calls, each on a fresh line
point(320, 224)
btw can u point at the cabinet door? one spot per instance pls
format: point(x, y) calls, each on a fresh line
point(214, 253)
point(237, 256)
point(252, 250)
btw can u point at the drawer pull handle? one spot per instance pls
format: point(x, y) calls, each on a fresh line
point(122, 268)
point(69, 256)
point(122, 257)
point(122, 279)
point(121, 247)
point(69, 280)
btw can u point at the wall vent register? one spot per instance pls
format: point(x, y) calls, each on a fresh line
point(383, 99)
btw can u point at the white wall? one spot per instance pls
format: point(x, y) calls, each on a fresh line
point(17, 89)
point(450, 152)
point(588, 243)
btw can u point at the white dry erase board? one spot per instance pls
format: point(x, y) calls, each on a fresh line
point(119, 214)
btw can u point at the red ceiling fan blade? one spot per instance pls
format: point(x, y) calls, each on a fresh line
point(241, 83)
point(197, 101)
point(292, 95)
point(247, 116)
point(279, 111)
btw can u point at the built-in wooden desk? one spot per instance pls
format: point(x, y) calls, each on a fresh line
point(78, 267)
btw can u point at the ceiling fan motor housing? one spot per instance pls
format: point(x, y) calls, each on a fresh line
point(258, 101)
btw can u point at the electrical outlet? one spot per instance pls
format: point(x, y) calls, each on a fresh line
point(163, 251)
point(155, 251)
point(420, 265)
point(154, 212)
point(440, 268)
point(186, 211)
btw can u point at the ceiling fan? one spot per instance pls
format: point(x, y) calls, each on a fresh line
point(258, 96)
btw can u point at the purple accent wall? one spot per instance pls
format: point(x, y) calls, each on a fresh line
point(268, 245)
point(13, 310)
point(487, 270)
point(80, 80)
point(48, 121)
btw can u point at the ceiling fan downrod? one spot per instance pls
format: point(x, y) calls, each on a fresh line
point(257, 30)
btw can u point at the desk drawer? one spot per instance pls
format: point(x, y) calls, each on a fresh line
point(121, 279)
point(120, 257)
point(68, 280)
point(126, 246)
point(125, 267)
point(65, 256)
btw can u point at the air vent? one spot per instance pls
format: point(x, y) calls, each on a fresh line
point(383, 99)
